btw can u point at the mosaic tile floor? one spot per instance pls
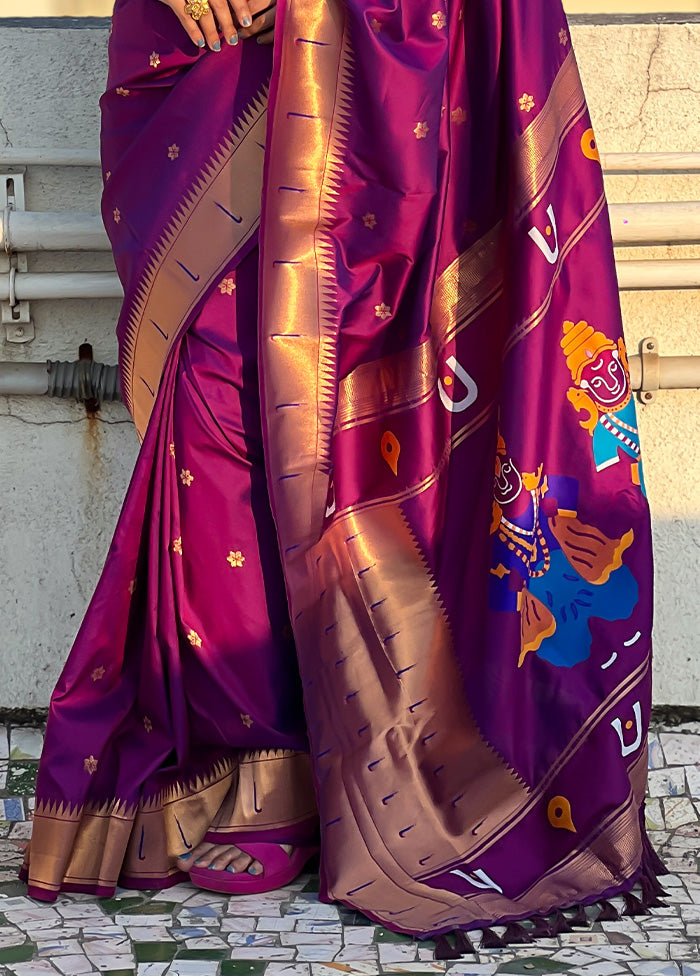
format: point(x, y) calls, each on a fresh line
point(184, 932)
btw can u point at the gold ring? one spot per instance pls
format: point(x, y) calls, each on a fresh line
point(197, 8)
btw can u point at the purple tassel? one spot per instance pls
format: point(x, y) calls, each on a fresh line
point(608, 913)
point(541, 927)
point(633, 905)
point(650, 893)
point(516, 934)
point(560, 924)
point(580, 919)
point(652, 859)
point(464, 943)
point(443, 949)
point(489, 940)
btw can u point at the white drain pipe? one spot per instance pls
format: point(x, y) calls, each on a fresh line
point(632, 163)
point(633, 224)
point(17, 286)
point(80, 380)
point(23, 231)
point(63, 379)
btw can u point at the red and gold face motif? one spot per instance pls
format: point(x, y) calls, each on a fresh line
point(605, 379)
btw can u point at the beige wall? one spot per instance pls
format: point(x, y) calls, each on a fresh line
point(103, 8)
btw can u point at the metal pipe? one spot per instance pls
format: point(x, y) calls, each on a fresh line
point(23, 286)
point(632, 163)
point(22, 231)
point(649, 162)
point(632, 224)
point(82, 380)
point(16, 286)
point(49, 157)
point(77, 380)
point(669, 273)
point(655, 223)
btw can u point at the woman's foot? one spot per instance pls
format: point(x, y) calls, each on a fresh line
point(223, 857)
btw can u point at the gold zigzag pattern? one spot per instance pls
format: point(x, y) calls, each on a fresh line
point(200, 184)
point(325, 253)
point(121, 809)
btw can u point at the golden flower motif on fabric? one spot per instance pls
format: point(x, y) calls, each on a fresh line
point(563, 37)
point(172, 450)
point(382, 311)
point(154, 60)
point(194, 639)
point(375, 25)
point(458, 116)
point(370, 221)
point(526, 102)
point(117, 214)
point(147, 724)
point(247, 720)
point(177, 546)
point(227, 286)
point(123, 91)
point(90, 765)
point(439, 20)
point(132, 586)
point(98, 674)
point(236, 559)
point(421, 130)
point(186, 477)
point(173, 151)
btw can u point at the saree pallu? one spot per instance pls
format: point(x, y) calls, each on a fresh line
point(449, 435)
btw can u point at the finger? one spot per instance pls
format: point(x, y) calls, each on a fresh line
point(242, 12)
point(192, 29)
point(222, 13)
point(207, 25)
point(263, 21)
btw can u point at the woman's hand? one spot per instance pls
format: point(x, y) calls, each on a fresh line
point(230, 19)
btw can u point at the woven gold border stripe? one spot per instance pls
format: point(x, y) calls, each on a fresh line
point(537, 149)
point(216, 219)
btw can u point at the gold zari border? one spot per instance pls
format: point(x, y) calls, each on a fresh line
point(537, 149)
point(216, 218)
point(93, 845)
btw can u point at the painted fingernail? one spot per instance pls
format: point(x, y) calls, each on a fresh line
point(247, 22)
point(216, 46)
point(200, 42)
point(233, 40)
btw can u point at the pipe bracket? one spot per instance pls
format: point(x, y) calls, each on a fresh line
point(14, 314)
point(651, 369)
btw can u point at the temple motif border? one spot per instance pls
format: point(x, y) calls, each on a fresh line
point(216, 218)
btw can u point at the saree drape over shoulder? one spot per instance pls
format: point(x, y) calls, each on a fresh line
point(325, 385)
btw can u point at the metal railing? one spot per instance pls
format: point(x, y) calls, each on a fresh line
point(633, 225)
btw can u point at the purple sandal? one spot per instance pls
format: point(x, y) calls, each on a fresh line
point(279, 868)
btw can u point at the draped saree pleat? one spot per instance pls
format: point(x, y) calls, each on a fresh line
point(453, 519)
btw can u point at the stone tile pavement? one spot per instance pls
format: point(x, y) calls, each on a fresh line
point(185, 932)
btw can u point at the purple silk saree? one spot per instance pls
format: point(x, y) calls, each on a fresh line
point(437, 300)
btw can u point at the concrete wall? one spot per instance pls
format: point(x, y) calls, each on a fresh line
point(62, 476)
